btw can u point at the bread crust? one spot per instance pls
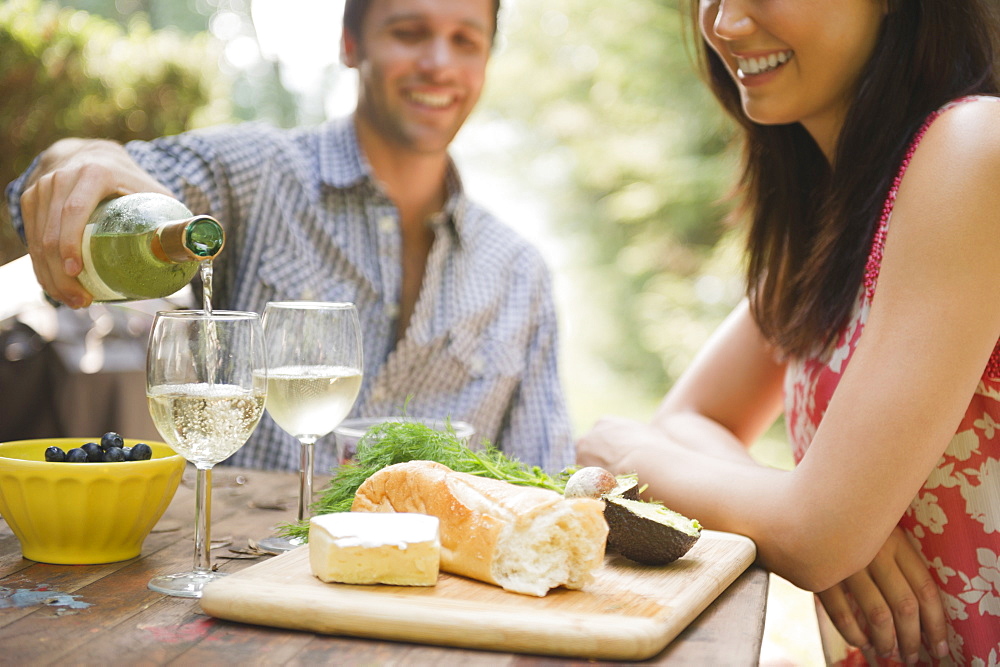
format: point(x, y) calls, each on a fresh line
point(479, 516)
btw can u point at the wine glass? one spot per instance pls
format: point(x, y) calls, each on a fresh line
point(314, 376)
point(206, 383)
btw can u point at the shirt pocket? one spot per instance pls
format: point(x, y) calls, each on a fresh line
point(484, 355)
point(296, 273)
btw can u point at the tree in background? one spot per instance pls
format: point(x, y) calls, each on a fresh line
point(615, 127)
point(253, 84)
point(592, 107)
point(67, 73)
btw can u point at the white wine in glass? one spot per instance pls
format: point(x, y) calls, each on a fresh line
point(206, 383)
point(314, 376)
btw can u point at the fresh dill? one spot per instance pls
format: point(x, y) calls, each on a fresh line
point(400, 441)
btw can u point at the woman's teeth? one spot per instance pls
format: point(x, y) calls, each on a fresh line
point(763, 63)
point(438, 101)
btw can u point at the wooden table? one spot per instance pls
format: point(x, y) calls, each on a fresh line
point(104, 614)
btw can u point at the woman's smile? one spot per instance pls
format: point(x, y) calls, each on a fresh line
point(794, 61)
point(752, 65)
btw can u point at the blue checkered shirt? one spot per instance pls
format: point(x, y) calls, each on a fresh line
point(306, 219)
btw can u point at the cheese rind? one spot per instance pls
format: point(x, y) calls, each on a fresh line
point(401, 549)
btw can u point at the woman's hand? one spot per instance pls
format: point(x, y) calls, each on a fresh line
point(895, 597)
point(896, 600)
point(611, 442)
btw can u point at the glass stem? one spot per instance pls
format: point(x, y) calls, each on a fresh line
point(306, 476)
point(203, 519)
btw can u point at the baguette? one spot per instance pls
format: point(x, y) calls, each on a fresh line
point(523, 539)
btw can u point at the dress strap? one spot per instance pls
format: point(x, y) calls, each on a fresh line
point(874, 263)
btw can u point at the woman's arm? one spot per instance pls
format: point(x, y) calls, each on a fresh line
point(721, 405)
point(933, 324)
point(894, 592)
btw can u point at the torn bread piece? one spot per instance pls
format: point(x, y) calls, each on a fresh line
point(524, 539)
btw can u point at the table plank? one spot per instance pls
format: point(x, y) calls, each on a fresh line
point(127, 623)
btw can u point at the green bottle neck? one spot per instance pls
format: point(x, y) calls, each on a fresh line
point(195, 239)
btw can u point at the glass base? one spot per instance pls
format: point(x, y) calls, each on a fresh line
point(184, 584)
point(279, 545)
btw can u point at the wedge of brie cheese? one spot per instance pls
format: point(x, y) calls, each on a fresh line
point(401, 549)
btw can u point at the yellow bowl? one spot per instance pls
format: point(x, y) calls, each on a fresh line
point(83, 513)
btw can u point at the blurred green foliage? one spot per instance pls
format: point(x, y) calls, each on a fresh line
point(619, 131)
point(65, 72)
point(255, 90)
point(603, 117)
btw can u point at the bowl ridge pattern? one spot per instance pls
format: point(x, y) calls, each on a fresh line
point(83, 513)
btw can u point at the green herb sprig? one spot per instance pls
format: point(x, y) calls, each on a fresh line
point(400, 441)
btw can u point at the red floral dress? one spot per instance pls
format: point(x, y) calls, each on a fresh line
point(954, 520)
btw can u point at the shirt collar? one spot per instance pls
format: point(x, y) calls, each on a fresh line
point(341, 162)
point(343, 165)
point(455, 206)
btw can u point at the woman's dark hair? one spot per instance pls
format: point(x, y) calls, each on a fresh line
point(810, 225)
point(355, 10)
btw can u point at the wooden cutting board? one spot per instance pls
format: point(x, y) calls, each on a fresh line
point(630, 612)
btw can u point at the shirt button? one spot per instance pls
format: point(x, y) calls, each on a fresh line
point(391, 309)
point(386, 224)
point(476, 365)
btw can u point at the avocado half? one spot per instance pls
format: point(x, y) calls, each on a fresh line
point(648, 533)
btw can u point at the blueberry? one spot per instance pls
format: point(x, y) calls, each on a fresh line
point(94, 452)
point(141, 452)
point(127, 451)
point(55, 454)
point(76, 455)
point(111, 439)
point(114, 454)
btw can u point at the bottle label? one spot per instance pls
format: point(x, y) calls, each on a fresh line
point(89, 277)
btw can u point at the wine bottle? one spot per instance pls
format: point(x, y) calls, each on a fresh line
point(145, 246)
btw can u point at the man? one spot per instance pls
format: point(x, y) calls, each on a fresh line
point(456, 309)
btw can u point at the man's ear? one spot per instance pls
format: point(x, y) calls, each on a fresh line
point(349, 50)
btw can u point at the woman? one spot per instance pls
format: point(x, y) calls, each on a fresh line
point(872, 186)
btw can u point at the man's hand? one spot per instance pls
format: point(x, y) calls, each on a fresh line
point(72, 177)
point(896, 600)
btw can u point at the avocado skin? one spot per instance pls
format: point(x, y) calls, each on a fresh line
point(644, 539)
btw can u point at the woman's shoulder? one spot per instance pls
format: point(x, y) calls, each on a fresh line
point(941, 250)
point(957, 148)
point(972, 111)
point(978, 102)
point(968, 127)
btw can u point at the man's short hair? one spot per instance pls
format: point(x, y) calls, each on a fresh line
point(355, 10)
